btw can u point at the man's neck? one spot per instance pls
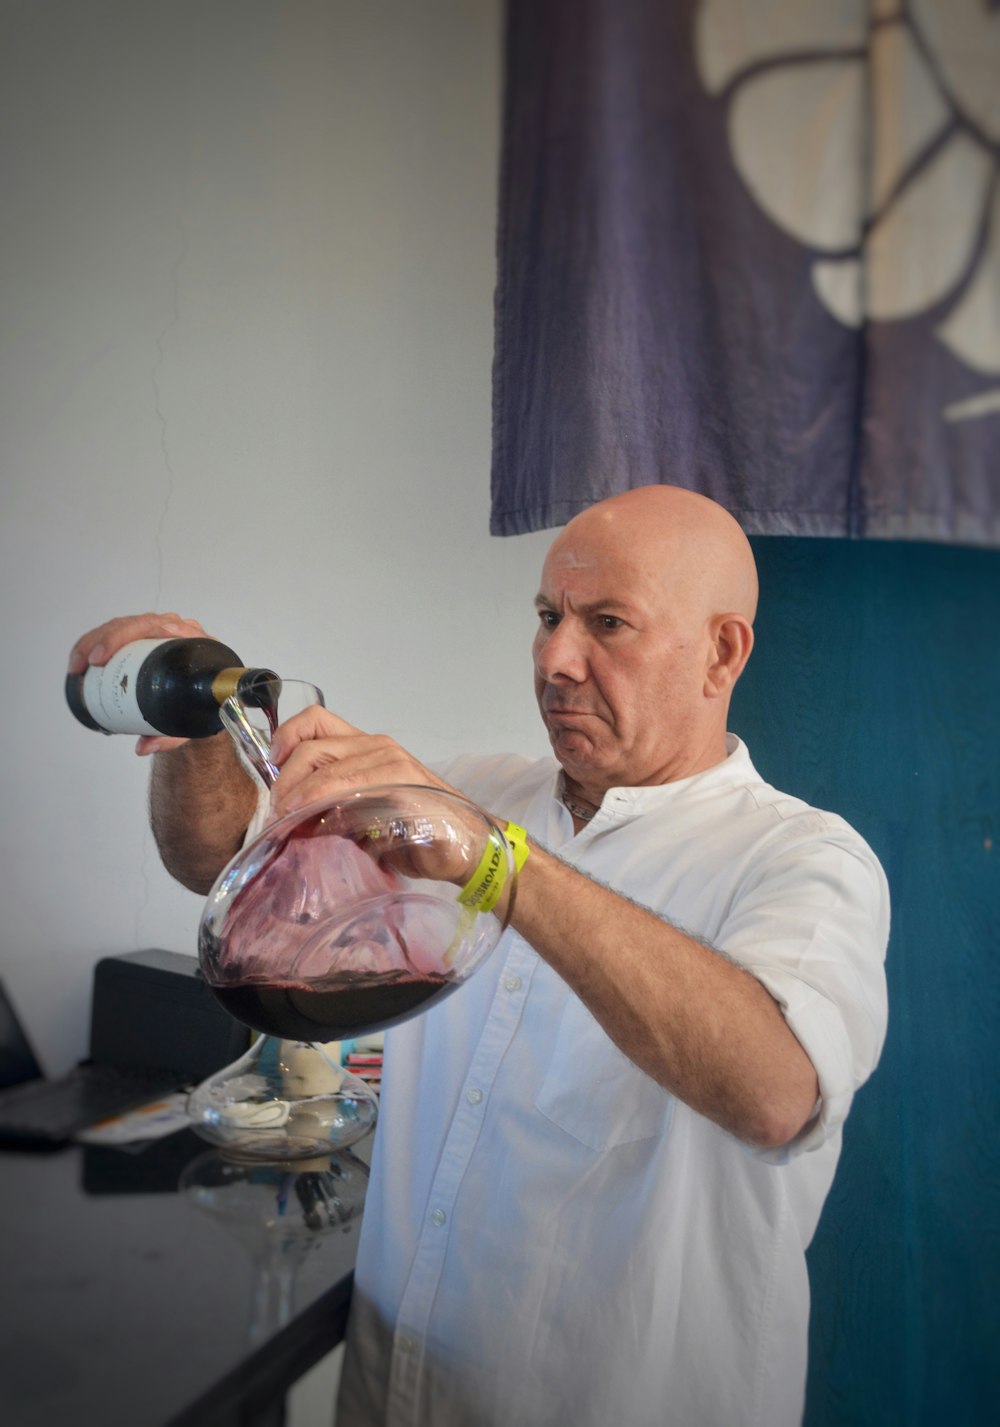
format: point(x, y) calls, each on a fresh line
point(589, 796)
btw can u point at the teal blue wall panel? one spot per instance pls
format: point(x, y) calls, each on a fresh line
point(874, 690)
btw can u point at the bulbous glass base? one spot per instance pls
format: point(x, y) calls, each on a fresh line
point(282, 1214)
point(282, 1101)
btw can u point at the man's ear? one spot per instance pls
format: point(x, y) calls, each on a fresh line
point(732, 641)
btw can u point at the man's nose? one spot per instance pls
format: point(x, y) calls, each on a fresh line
point(560, 653)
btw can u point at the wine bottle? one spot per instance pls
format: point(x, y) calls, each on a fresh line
point(166, 686)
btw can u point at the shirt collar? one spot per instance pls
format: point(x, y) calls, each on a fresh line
point(623, 803)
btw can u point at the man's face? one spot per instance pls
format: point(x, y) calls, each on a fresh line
point(620, 662)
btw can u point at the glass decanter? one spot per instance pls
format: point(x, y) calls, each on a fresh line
point(336, 921)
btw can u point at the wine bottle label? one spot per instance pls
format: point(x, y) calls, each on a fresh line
point(109, 692)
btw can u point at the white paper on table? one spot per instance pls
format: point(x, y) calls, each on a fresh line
point(159, 1118)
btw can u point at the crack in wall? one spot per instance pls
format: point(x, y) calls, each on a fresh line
point(173, 318)
point(160, 339)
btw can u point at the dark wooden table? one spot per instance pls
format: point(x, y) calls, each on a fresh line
point(125, 1302)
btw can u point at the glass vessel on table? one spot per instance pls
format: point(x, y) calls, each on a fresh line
point(338, 920)
point(282, 1213)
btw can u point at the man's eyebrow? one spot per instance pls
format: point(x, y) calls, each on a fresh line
point(604, 606)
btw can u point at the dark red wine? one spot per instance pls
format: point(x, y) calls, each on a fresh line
point(340, 1011)
point(271, 710)
point(261, 689)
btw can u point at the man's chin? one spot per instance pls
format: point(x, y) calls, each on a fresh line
point(574, 751)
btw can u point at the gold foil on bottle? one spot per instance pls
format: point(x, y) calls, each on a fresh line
point(226, 684)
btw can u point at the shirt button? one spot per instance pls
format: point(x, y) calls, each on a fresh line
point(512, 983)
point(473, 1096)
point(438, 1217)
point(407, 1345)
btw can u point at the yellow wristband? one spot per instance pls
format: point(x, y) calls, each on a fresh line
point(518, 839)
point(482, 891)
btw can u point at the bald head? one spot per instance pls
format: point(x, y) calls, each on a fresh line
point(645, 610)
point(665, 532)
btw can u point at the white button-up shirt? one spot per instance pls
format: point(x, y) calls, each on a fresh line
point(549, 1236)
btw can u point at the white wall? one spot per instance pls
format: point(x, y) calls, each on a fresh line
point(245, 342)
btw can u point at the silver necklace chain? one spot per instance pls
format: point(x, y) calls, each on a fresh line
point(584, 814)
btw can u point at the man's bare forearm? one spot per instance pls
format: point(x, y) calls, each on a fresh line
point(700, 1025)
point(200, 802)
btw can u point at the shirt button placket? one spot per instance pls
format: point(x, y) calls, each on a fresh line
point(403, 1379)
point(418, 1296)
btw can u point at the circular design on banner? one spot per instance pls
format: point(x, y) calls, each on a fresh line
point(915, 225)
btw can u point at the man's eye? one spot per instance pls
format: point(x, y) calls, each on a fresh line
point(549, 618)
point(610, 621)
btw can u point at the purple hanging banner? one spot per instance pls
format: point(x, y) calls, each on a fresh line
point(752, 249)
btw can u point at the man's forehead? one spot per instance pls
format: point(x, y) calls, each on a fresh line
point(603, 570)
point(568, 554)
point(697, 558)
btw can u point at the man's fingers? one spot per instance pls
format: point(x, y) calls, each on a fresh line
point(313, 724)
point(98, 645)
point(156, 743)
point(326, 768)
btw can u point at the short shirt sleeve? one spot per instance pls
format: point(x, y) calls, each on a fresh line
point(812, 927)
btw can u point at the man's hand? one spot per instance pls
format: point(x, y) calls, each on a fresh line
point(322, 757)
point(201, 799)
point(98, 645)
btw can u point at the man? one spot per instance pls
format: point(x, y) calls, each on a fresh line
point(600, 1162)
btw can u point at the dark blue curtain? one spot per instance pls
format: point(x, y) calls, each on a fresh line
point(838, 705)
point(753, 250)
